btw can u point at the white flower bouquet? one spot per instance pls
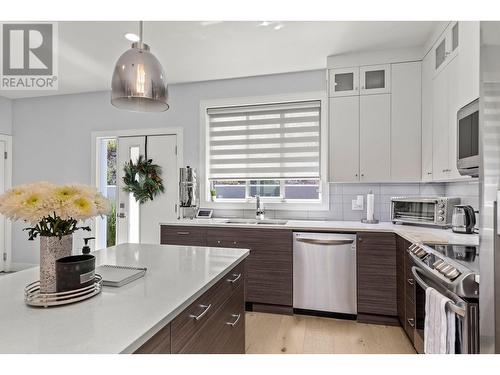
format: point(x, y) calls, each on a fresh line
point(53, 210)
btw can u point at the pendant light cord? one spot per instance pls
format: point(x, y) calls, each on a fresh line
point(140, 31)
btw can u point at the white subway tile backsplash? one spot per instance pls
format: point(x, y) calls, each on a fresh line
point(341, 195)
point(361, 189)
point(400, 189)
point(433, 189)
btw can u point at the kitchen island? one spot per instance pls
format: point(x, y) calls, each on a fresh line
point(185, 295)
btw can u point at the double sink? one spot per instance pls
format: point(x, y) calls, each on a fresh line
point(256, 222)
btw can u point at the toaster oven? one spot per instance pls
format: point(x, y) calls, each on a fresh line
point(435, 211)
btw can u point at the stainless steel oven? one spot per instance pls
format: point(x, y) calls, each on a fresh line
point(450, 269)
point(436, 211)
point(468, 139)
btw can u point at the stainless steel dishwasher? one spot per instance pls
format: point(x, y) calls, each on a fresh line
point(324, 272)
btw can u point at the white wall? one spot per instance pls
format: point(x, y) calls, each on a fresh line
point(51, 135)
point(5, 116)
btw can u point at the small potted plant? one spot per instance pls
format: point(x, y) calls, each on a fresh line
point(213, 195)
point(53, 212)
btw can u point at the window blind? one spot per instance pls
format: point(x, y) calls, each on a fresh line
point(273, 141)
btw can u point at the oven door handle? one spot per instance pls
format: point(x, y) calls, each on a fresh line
point(459, 310)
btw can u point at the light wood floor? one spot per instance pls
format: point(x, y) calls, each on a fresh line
point(275, 334)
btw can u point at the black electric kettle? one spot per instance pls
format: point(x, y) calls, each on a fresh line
point(463, 220)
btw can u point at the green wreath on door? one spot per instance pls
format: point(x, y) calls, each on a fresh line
point(143, 179)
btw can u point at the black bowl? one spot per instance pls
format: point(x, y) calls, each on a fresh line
point(74, 272)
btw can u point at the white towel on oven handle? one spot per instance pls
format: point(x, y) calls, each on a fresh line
point(439, 329)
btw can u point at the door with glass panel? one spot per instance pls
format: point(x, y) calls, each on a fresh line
point(140, 223)
point(344, 82)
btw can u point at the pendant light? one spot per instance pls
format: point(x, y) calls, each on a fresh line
point(139, 82)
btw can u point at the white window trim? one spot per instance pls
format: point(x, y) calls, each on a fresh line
point(205, 201)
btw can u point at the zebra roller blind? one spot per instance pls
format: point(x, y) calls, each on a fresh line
point(273, 141)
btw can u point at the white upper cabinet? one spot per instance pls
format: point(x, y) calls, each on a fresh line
point(455, 83)
point(375, 79)
point(375, 138)
point(344, 139)
point(447, 46)
point(427, 105)
point(405, 132)
point(344, 82)
point(468, 62)
point(440, 123)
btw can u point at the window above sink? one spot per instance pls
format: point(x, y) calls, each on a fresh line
point(272, 147)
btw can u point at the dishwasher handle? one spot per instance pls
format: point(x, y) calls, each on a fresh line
point(324, 241)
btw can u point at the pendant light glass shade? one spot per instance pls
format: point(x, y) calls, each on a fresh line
point(139, 82)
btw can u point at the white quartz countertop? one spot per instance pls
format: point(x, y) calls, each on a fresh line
point(411, 232)
point(119, 320)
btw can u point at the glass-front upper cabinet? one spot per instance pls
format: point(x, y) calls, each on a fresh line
point(446, 47)
point(375, 79)
point(344, 82)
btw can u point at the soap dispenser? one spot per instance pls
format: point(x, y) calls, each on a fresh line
point(86, 247)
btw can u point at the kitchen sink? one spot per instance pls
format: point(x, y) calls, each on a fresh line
point(272, 222)
point(255, 221)
point(241, 221)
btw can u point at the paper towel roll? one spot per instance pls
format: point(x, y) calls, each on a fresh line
point(370, 203)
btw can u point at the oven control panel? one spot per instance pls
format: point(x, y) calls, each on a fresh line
point(458, 278)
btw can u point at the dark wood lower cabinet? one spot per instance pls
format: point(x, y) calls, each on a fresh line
point(406, 288)
point(376, 277)
point(213, 324)
point(269, 267)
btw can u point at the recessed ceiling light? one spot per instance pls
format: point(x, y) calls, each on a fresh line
point(264, 23)
point(278, 27)
point(132, 37)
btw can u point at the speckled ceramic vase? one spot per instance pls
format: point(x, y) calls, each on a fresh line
point(51, 249)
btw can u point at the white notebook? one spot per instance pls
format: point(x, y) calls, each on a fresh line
point(119, 275)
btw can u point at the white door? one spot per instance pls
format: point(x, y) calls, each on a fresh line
point(344, 82)
point(375, 138)
point(2, 218)
point(344, 139)
point(375, 79)
point(163, 150)
point(406, 127)
point(140, 223)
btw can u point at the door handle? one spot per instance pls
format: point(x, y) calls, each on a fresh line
point(236, 278)
point(318, 241)
point(198, 317)
point(411, 322)
point(237, 316)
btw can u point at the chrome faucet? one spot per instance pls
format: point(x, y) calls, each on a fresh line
point(259, 210)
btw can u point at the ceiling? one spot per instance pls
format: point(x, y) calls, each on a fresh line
point(200, 51)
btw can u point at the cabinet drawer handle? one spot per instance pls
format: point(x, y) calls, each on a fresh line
point(236, 278)
point(183, 233)
point(198, 317)
point(237, 316)
point(411, 281)
point(411, 322)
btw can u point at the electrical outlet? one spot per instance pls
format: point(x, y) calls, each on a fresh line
point(357, 204)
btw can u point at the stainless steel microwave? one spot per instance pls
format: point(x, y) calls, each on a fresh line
point(468, 139)
point(436, 211)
